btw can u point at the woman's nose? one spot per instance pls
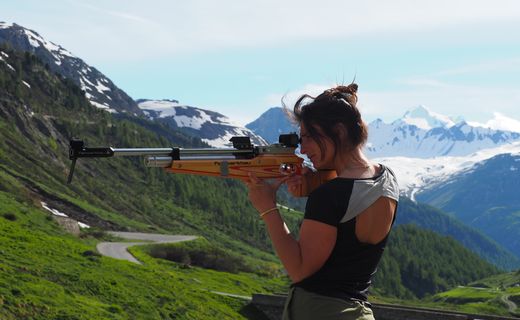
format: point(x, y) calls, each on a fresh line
point(303, 148)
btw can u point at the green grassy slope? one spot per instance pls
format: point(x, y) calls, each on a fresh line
point(498, 294)
point(48, 274)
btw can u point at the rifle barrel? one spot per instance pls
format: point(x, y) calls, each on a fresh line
point(123, 152)
point(129, 152)
point(163, 162)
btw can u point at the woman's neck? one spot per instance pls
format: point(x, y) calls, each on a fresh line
point(354, 164)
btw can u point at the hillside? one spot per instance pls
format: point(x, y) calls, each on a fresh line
point(425, 263)
point(37, 123)
point(46, 273)
point(433, 219)
point(98, 88)
point(478, 198)
point(213, 128)
point(498, 294)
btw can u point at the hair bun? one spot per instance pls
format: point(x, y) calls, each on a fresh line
point(349, 93)
point(350, 89)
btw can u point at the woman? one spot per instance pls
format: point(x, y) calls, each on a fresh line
point(347, 219)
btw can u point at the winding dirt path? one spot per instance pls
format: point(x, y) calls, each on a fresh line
point(118, 250)
point(511, 306)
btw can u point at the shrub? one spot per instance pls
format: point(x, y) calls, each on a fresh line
point(10, 216)
point(205, 256)
point(94, 233)
point(90, 253)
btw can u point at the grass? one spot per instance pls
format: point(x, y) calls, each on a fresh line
point(486, 296)
point(46, 273)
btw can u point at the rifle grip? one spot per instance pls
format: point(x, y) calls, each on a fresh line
point(312, 180)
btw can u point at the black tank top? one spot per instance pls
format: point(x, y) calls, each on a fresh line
point(348, 271)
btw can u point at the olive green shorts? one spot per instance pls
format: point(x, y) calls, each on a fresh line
point(305, 305)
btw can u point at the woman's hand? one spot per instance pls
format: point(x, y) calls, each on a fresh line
point(295, 182)
point(262, 194)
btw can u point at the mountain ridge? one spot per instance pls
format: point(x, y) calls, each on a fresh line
point(212, 127)
point(420, 133)
point(99, 89)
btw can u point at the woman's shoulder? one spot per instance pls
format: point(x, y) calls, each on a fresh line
point(332, 187)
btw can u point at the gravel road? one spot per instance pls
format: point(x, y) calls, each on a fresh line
point(118, 250)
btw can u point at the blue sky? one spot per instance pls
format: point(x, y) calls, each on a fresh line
point(459, 58)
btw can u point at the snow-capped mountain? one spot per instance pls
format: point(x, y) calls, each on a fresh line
point(416, 175)
point(425, 119)
point(424, 134)
point(420, 133)
point(484, 196)
point(423, 148)
point(99, 90)
point(480, 189)
point(213, 128)
point(271, 124)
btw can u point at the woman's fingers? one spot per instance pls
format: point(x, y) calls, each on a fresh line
point(305, 170)
point(279, 182)
point(294, 181)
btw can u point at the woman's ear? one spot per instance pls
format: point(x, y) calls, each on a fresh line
point(341, 131)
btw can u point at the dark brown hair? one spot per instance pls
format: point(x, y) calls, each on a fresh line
point(329, 110)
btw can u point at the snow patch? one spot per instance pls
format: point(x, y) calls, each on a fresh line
point(83, 225)
point(165, 108)
point(61, 214)
point(193, 122)
point(36, 41)
point(101, 88)
point(53, 211)
point(103, 106)
point(2, 55)
point(222, 141)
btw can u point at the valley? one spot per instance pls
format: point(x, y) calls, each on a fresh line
point(434, 258)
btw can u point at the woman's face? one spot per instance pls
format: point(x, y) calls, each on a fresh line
point(320, 159)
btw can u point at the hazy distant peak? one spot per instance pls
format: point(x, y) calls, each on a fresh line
point(272, 123)
point(426, 119)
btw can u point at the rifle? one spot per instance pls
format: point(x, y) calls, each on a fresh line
point(267, 162)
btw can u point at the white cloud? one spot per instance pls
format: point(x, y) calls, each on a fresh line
point(485, 66)
point(290, 97)
point(166, 27)
point(500, 122)
point(473, 103)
